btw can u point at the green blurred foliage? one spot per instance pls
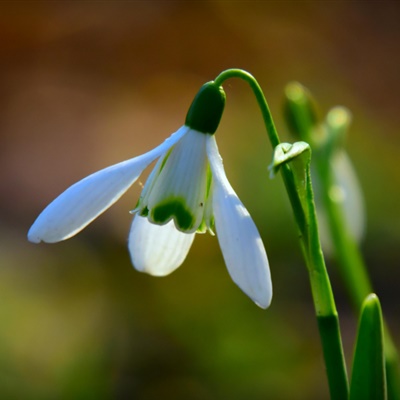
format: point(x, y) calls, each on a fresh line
point(84, 85)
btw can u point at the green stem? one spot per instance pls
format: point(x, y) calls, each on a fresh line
point(305, 216)
point(300, 113)
point(327, 316)
point(353, 270)
point(348, 256)
point(262, 102)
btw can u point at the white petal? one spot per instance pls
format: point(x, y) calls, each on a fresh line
point(181, 185)
point(81, 203)
point(346, 192)
point(157, 249)
point(352, 197)
point(240, 242)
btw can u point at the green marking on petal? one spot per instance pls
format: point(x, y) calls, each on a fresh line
point(209, 181)
point(173, 208)
point(144, 212)
point(164, 160)
point(211, 226)
point(202, 228)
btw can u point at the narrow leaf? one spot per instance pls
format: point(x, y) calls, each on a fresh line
point(368, 380)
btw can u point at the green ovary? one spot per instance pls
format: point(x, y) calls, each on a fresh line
point(173, 208)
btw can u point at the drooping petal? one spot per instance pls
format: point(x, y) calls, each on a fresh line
point(157, 249)
point(81, 203)
point(240, 241)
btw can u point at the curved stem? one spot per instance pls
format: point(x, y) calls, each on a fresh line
point(305, 215)
point(262, 102)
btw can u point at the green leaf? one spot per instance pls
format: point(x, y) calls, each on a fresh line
point(368, 381)
point(286, 152)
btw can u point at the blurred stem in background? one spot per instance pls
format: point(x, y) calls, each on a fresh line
point(294, 162)
point(341, 203)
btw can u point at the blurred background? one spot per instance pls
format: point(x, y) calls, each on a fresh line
point(84, 85)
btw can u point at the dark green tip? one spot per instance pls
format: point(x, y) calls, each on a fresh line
point(206, 109)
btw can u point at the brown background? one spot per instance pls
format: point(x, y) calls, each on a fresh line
point(87, 84)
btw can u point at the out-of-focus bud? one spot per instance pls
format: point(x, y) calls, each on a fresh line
point(300, 113)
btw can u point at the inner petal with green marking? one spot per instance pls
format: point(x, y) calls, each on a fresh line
point(178, 189)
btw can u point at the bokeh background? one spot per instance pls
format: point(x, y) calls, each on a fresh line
point(87, 84)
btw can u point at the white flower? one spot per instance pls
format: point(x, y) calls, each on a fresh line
point(187, 192)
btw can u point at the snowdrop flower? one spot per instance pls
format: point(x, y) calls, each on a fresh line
point(186, 193)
